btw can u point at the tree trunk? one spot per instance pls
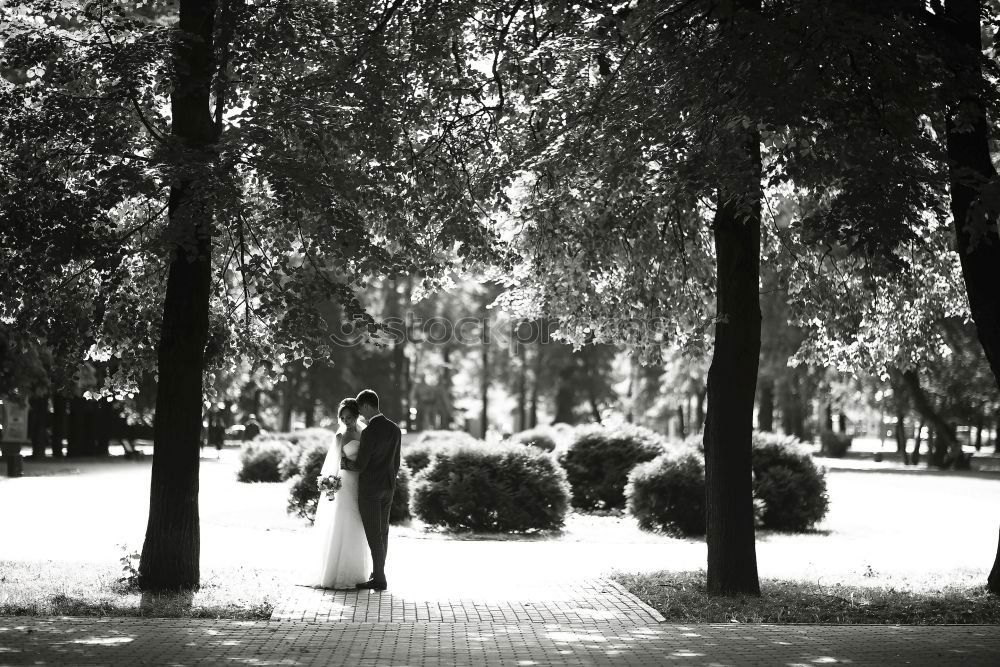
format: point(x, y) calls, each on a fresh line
point(947, 450)
point(38, 425)
point(842, 422)
point(901, 436)
point(792, 417)
point(104, 415)
point(536, 374)
point(971, 167)
point(58, 425)
point(979, 433)
point(681, 424)
point(732, 384)
point(288, 396)
point(484, 384)
point(522, 379)
point(828, 417)
point(765, 415)
point(915, 456)
point(82, 436)
point(699, 411)
point(171, 551)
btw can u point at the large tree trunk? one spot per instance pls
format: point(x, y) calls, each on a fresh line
point(970, 168)
point(171, 551)
point(732, 384)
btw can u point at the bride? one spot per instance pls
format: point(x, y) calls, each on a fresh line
point(342, 558)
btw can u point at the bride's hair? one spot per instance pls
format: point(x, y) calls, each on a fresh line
point(349, 404)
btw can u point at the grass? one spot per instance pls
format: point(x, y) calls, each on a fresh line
point(50, 588)
point(682, 597)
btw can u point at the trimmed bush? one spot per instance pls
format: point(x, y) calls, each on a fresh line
point(599, 460)
point(420, 454)
point(260, 461)
point(497, 489)
point(303, 495)
point(667, 494)
point(834, 444)
point(400, 510)
point(534, 437)
point(790, 487)
point(298, 442)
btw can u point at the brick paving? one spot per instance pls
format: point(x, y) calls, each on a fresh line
point(181, 642)
point(581, 602)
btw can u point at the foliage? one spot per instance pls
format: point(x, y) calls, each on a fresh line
point(788, 484)
point(599, 460)
point(834, 444)
point(683, 598)
point(297, 444)
point(497, 490)
point(335, 159)
point(261, 460)
point(667, 494)
point(303, 494)
point(400, 511)
point(534, 437)
point(419, 455)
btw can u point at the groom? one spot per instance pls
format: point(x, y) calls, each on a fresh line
point(378, 463)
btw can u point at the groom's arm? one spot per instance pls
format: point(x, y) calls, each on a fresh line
point(364, 454)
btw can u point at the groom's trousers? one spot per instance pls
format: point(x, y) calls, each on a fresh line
point(374, 509)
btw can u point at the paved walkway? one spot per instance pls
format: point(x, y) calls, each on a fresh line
point(587, 622)
point(180, 642)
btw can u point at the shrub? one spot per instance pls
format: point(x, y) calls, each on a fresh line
point(534, 437)
point(790, 487)
point(260, 461)
point(496, 489)
point(667, 494)
point(438, 438)
point(419, 455)
point(400, 511)
point(297, 443)
point(303, 496)
point(304, 493)
point(599, 460)
point(834, 444)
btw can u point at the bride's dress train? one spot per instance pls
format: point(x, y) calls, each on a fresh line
point(340, 548)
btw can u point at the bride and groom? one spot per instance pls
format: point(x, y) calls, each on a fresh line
point(352, 529)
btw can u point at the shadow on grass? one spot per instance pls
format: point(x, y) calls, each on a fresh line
point(682, 597)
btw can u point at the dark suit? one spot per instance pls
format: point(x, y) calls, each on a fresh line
point(378, 465)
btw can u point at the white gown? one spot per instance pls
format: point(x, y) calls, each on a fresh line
point(341, 554)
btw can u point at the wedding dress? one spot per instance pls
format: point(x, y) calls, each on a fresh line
point(341, 548)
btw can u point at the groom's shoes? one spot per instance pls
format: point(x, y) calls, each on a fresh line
point(372, 585)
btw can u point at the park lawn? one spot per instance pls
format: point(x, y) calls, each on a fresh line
point(56, 588)
point(682, 597)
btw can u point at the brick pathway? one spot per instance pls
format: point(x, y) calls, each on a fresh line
point(576, 602)
point(181, 642)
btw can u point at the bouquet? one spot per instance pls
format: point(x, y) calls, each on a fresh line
point(329, 484)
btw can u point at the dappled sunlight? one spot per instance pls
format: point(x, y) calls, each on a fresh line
point(102, 641)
